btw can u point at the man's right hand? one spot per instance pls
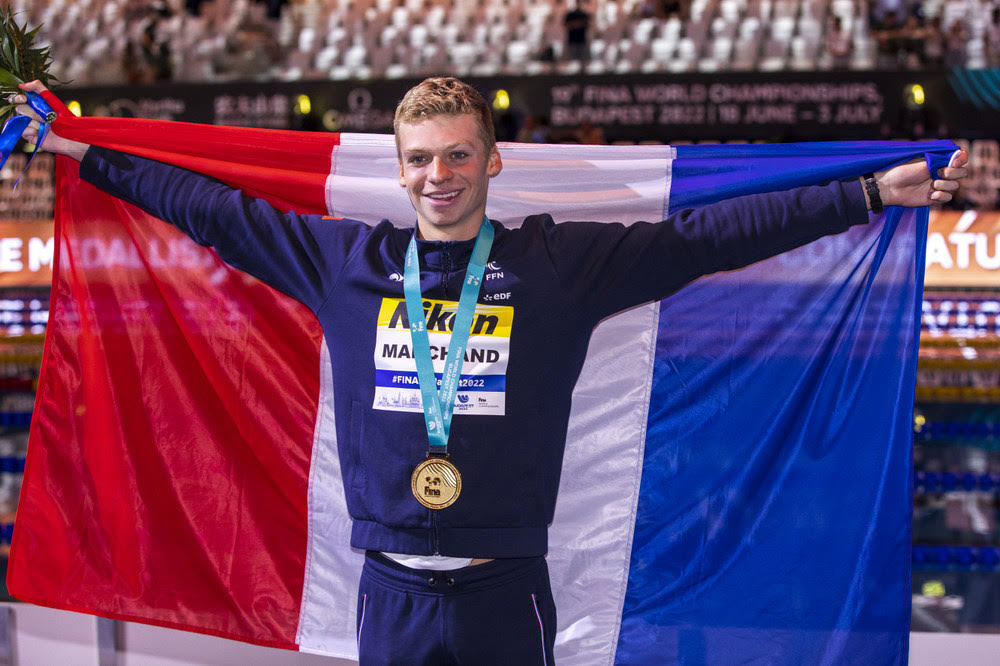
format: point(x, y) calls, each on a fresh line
point(53, 142)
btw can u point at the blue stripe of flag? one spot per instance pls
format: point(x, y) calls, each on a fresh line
point(773, 518)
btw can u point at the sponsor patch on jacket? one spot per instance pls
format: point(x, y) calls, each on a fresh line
point(482, 387)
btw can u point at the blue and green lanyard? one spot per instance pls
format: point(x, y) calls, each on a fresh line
point(439, 406)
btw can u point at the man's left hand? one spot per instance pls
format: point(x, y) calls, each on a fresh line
point(910, 185)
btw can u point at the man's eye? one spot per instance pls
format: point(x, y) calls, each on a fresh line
point(418, 159)
point(459, 155)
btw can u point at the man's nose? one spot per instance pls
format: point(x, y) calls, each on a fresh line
point(439, 170)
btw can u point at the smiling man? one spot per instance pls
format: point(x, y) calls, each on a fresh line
point(445, 162)
point(453, 513)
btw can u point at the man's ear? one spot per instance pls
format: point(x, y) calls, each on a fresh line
point(495, 165)
point(402, 178)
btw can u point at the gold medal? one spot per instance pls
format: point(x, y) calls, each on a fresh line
point(436, 483)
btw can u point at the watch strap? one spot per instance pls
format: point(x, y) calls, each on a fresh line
point(874, 196)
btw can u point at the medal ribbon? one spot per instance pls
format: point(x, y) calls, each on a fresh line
point(440, 406)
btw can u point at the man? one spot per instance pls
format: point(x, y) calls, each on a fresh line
point(577, 23)
point(456, 569)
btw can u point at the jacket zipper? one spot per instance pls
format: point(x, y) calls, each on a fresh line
point(435, 533)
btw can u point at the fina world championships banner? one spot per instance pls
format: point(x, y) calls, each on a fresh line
point(721, 106)
point(761, 418)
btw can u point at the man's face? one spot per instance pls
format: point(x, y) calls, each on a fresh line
point(446, 170)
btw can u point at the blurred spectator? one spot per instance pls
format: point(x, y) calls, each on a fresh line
point(648, 9)
point(993, 38)
point(249, 54)
point(912, 43)
point(839, 44)
point(662, 9)
point(588, 133)
point(156, 55)
point(955, 39)
point(934, 39)
point(133, 66)
point(148, 58)
point(274, 8)
point(577, 22)
point(534, 130)
point(889, 34)
point(672, 8)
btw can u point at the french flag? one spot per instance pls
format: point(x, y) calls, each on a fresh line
point(736, 485)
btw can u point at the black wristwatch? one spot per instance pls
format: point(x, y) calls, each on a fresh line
point(871, 187)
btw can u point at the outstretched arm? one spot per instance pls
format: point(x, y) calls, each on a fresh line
point(612, 267)
point(301, 255)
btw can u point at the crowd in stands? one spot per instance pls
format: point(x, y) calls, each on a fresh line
point(948, 38)
point(142, 41)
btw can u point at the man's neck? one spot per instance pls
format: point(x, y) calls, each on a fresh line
point(465, 232)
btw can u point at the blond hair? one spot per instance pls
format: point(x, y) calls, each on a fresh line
point(445, 96)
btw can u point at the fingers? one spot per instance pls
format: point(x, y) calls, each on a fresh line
point(30, 135)
point(21, 100)
point(953, 173)
point(942, 191)
point(945, 185)
point(33, 86)
point(23, 109)
point(959, 158)
point(956, 169)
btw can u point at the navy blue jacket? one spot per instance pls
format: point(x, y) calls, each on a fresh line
point(559, 281)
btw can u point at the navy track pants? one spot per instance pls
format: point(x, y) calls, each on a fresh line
point(500, 612)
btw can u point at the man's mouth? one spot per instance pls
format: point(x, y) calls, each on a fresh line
point(443, 196)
